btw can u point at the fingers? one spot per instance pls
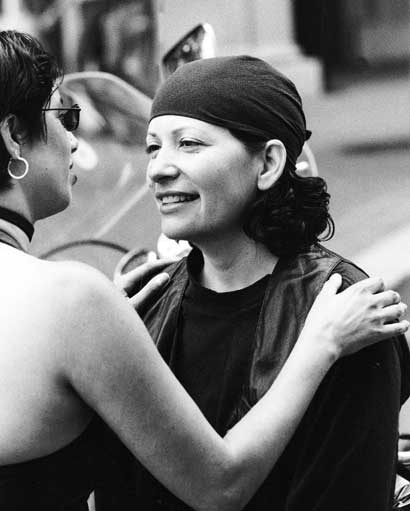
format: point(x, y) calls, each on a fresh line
point(381, 333)
point(386, 298)
point(371, 284)
point(131, 279)
point(149, 290)
point(392, 329)
point(331, 286)
point(393, 312)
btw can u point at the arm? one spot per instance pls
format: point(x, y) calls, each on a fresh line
point(343, 455)
point(113, 365)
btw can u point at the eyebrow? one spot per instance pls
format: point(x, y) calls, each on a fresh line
point(176, 131)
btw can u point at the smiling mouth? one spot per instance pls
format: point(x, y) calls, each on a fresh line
point(175, 199)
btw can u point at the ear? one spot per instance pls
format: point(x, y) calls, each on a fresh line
point(9, 131)
point(274, 163)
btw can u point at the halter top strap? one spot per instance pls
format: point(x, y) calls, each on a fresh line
point(18, 220)
point(15, 230)
point(9, 240)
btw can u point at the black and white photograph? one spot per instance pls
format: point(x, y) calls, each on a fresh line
point(204, 255)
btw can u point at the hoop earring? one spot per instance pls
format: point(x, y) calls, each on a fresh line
point(16, 162)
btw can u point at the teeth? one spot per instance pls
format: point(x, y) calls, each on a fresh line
point(170, 199)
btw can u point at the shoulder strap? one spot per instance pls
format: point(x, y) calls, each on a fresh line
point(9, 240)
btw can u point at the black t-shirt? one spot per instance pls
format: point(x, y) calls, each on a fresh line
point(215, 344)
point(210, 356)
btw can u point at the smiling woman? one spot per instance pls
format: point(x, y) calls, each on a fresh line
point(74, 354)
point(202, 177)
point(223, 140)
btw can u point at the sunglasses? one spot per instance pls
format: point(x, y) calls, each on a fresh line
point(70, 119)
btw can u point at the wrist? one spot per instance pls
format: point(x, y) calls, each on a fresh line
point(322, 347)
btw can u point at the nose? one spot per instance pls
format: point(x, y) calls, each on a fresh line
point(73, 142)
point(161, 168)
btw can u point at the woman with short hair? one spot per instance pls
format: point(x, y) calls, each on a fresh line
point(73, 352)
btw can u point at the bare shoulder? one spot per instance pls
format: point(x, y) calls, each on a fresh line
point(46, 285)
point(75, 283)
point(89, 316)
point(69, 294)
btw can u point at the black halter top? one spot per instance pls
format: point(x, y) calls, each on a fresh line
point(18, 220)
point(64, 479)
point(61, 481)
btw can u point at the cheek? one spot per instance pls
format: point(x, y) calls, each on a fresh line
point(64, 146)
point(58, 140)
point(231, 190)
point(225, 205)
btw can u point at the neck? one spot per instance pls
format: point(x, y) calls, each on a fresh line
point(15, 200)
point(15, 218)
point(234, 264)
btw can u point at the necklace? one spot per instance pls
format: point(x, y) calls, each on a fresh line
point(15, 230)
point(17, 220)
point(10, 240)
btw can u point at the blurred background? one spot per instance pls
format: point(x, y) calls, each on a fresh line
point(349, 59)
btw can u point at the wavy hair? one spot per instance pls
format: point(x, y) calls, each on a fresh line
point(28, 75)
point(292, 215)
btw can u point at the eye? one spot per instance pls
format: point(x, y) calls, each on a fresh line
point(61, 118)
point(151, 149)
point(190, 143)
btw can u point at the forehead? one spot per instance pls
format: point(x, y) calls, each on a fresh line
point(169, 124)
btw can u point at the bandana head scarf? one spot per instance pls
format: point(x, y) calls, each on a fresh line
point(240, 93)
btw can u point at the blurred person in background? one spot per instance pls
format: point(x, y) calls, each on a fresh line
point(223, 139)
point(73, 351)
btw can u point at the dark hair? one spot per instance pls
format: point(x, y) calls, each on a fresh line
point(292, 215)
point(27, 79)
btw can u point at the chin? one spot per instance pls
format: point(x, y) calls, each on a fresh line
point(64, 200)
point(57, 206)
point(178, 232)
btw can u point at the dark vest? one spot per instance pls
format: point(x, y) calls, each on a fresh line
point(296, 480)
point(290, 293)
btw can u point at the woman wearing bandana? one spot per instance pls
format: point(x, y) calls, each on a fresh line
point(223, 140)
point(72, 351)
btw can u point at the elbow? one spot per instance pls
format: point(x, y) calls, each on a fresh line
point(231, 502)
point(230, 492)
point(222, 501)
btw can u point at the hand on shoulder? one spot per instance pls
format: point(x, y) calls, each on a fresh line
point(359, 316)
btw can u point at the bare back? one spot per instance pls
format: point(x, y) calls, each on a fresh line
point(39, 412)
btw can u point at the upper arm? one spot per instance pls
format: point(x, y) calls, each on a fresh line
point(113, 365)
point(344, 452)
point(343, 455)
point(351, 274)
